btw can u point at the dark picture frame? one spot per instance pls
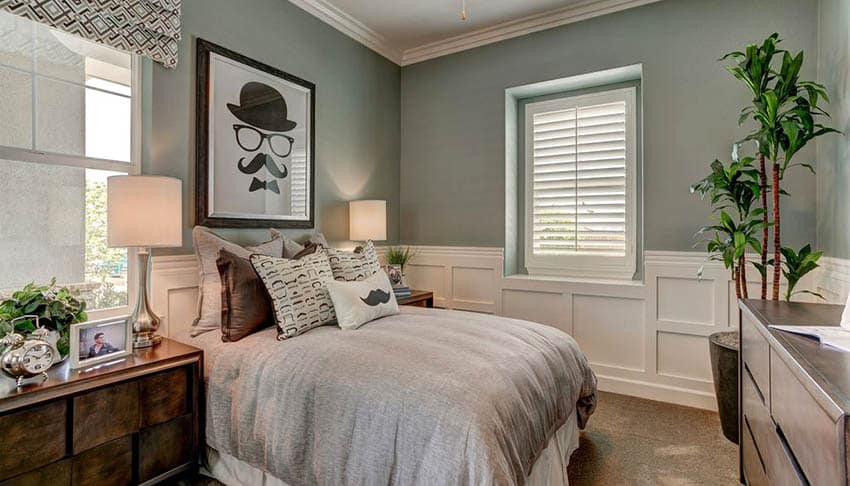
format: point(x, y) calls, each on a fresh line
point(203, 190)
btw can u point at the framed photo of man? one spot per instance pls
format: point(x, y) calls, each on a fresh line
point(96, 342)
point(255, 147)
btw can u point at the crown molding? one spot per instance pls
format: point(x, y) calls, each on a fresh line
point(519, 27)
point(350, 26)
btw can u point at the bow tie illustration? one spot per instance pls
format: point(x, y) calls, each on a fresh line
point(257, 184)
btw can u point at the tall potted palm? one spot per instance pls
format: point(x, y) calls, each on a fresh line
point(784, 113)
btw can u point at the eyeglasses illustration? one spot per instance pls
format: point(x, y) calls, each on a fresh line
point(250, 139)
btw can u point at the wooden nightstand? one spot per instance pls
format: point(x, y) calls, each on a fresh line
point(133, 422)
point(418, 298)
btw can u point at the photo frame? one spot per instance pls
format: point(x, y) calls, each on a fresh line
point(255, 143)
point(100, 341)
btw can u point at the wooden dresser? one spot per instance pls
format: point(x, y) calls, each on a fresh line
point(794, 397)
point(135, 421)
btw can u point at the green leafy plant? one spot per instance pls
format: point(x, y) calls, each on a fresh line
point(785, 111)
point(796, 265)
point(733, 189)
point(398, 255)
point(56, 307)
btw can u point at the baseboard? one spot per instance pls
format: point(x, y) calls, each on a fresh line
point(657, 392)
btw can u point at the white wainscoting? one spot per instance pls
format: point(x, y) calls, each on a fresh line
point(646, 339)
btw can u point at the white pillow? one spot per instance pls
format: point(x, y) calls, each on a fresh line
point(298, 290)
point(359, 302)
point(207, 247)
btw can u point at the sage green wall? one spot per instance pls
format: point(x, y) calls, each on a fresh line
point(357, 106)
point(834, 150)
point(453, 109)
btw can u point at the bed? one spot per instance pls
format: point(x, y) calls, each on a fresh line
point(426, 397)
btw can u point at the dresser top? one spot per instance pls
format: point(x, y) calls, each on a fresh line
point(828, 367)
point(63, 380)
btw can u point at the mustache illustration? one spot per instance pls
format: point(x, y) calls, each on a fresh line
point(376, 297)
point(258, 162)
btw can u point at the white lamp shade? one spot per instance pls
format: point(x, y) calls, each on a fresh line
point(367, 220)
point(144, 211)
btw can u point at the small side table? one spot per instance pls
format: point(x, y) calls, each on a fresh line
point(418, 298)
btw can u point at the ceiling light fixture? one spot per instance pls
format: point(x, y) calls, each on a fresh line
point(463, 10)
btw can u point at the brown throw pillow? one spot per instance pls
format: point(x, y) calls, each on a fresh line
point(245, 303)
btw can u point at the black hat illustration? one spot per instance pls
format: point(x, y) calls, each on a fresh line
point(262, 106)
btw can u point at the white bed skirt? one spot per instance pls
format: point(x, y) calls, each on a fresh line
point(549, 470)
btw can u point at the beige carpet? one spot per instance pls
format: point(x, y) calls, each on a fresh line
point(634, 441)
point(631, 441)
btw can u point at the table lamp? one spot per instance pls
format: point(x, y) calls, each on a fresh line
point(367, 220)
point(144, 212)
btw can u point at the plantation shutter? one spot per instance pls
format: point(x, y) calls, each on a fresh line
point(579, 179)
point(580, 185)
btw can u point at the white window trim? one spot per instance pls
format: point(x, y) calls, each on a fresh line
point(133, 167)
point(612, 267)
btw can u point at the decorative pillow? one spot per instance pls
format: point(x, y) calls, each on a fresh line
point(298, 291)
point(245, 303)
point(291, 247)
point(207, 248)
point(352, 267)
point(357, 303)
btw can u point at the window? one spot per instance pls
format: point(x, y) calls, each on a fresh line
point(580, 185)
point(68, 122)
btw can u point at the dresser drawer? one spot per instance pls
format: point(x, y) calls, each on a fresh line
point(812, 434)
point(32, 438)
point(56, 474)
point(755, 353)
point(753, 467)
point(110, 464)
point(754, 408)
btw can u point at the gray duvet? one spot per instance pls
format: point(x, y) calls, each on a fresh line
point(426, 397)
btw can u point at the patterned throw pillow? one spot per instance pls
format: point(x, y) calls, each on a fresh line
point(357, 303)
point(352, 267)
point(298, 290)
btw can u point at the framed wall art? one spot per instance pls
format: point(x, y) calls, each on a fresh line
point(255, 144)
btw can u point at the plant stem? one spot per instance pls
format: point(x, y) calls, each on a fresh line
point(736, 275)
point(764, 231)
point(742, 266)
point(777, 240)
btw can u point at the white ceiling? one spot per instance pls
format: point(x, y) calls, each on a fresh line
point(409, 31)
point(413, 23)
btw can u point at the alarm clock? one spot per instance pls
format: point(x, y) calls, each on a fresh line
point(27, 357)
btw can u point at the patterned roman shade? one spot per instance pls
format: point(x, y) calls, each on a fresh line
point(147, 27)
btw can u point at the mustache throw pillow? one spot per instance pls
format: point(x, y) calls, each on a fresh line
point(359, 302)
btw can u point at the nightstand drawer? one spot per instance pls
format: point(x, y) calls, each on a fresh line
point(56, 474)
point(38, 435)
point(105, 414)
point(164, 396)
point(164, 447)
point(109, 464)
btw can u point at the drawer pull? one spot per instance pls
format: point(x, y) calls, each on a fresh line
point(755, 384)
point(784, 443)
point(755, 445)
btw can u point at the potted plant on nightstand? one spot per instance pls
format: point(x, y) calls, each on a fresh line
point(56, 307)
point(784, 111)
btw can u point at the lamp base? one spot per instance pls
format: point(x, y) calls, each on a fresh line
point(145, 322)
point(145, 340)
